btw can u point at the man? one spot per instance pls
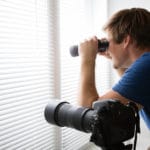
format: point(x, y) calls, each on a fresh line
point(128, 34)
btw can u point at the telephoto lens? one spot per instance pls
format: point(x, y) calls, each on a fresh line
point(63, 114)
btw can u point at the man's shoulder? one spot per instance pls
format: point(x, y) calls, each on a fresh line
point(145, 57)
point(141, 65)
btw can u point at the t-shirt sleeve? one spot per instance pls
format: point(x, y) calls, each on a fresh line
point(135, 83)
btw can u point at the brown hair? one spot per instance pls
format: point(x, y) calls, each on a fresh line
point(134, 22)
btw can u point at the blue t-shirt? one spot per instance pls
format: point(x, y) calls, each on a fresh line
point(135, 85)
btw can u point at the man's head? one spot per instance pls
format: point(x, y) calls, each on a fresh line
point(134, 22)
point(128, 32)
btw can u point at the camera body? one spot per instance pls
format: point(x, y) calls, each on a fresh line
point(109, 121)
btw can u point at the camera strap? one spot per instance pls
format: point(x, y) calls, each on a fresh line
point(137, 123)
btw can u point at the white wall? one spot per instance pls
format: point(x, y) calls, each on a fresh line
point(113, 6)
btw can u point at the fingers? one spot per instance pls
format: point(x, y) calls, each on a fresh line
point(88, 48)
point(90, 43)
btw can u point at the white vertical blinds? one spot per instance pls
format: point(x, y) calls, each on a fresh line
point(26, 75)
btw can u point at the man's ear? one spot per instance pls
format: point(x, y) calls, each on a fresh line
point(126, 41)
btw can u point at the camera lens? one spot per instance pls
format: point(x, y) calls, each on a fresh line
point(64, 114)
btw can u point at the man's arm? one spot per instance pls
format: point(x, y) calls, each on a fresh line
point(87, 89)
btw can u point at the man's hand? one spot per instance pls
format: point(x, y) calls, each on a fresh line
point(88, 49)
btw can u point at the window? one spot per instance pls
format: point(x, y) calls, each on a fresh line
point(79, 19)
point(26, 75)
point(35, 66)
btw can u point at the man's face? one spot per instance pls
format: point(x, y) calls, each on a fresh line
point(117, 53)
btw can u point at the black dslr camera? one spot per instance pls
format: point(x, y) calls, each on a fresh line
point(110, 122)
